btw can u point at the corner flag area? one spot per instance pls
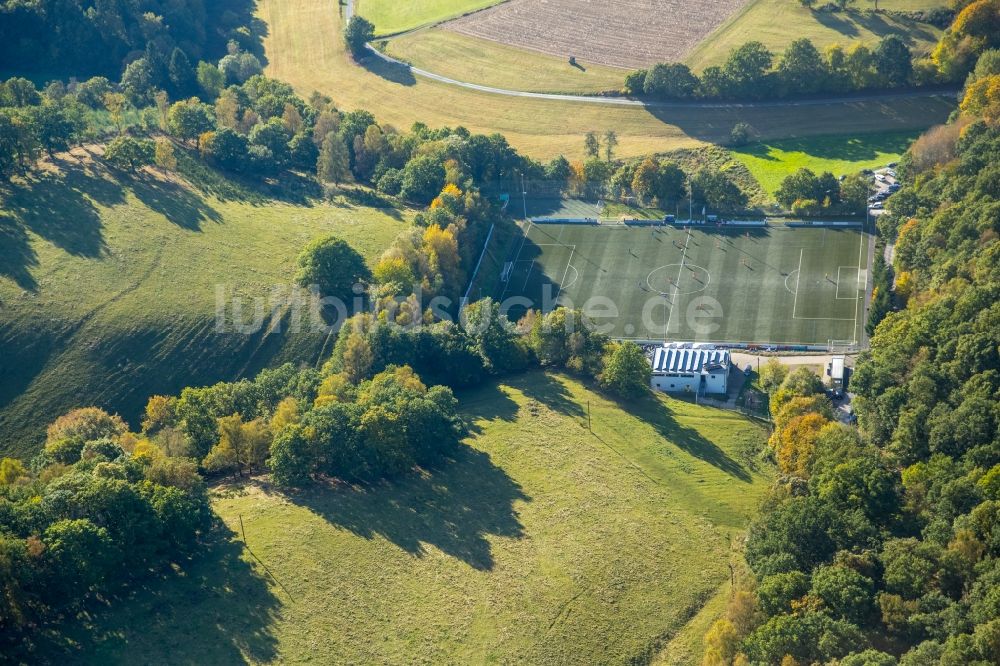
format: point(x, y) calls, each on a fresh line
point(768, 285)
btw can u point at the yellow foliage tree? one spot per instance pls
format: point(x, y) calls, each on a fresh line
point(904, 285)
point(441, 249)
point(721, 641)
point(285, 414)
point(795, 444)
point(982, 99)
point(11, 469)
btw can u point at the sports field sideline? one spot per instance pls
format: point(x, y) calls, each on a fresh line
point(768, 285)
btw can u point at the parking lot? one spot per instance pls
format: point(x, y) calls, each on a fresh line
point(884, 184)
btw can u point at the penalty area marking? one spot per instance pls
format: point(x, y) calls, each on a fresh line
point(795, 273)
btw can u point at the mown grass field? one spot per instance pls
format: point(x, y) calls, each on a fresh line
point(392, 16)
point(777, 23)
point(485, 62)
point(541, 542)
point(108, 286)
point(304, 47)
point(779, 285)
point(770, 162)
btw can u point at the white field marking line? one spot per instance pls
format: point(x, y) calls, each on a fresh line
point(562, 282)
point(527, 277)
point(517, 258)
point(859, 297)
point(796, 271)
point(798, 274)
point(576, 276)
point(673, 303)
point(857, 279)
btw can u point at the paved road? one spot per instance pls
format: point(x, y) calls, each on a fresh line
point(624, 101)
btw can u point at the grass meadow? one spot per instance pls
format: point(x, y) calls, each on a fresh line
point(485, 62)
point(108, 285)
point(304, 48)
point(771, 161)
point(777, 23)
point(540, 542)
point(393, 16)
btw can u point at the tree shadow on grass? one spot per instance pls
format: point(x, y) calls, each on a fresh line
point(651, 409)
point(17, 257)
point(60, 208)
point(175, 202)
point(216, 608)
point(390, 71)
point(455, 509)
point(849, 148)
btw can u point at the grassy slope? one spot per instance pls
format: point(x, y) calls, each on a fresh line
point(541, 543)
point(777, 22)
point(107, 287)
point(771, 161)
point(489, 63)
point(304, 48)
point(392, 16)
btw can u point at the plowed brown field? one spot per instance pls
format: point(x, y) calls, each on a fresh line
point(627, 33)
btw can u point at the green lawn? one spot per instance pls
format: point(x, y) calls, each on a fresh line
point(392, 16)
point(771, 161)
point(777, 23)
point(540, 543)
point(489, 63)
point(780, 285)
point(108, 286)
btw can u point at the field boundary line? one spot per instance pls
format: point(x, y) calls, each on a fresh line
point(857, 280)
point(798, 276)
point(517, 258)
point(861, 251)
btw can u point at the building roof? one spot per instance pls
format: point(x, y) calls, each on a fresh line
point(672, 359)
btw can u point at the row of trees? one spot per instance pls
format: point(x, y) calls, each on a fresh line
point(752, 72)
point(806, 193)
point(881, 547)
point(98, 509)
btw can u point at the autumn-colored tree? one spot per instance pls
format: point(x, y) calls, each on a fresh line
point(357, 360)
point(795, 444)
point(721, 642)
point(163, 154)
point(241, 445)
point(982, 99)
point(441, 249)
point(159, 413)
point(285, 414)
point(11, 470)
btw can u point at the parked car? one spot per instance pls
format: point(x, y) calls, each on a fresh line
point(878, 205)
point(880, 178)
point(895, 187)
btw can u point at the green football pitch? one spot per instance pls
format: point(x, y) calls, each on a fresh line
point(769, 285)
